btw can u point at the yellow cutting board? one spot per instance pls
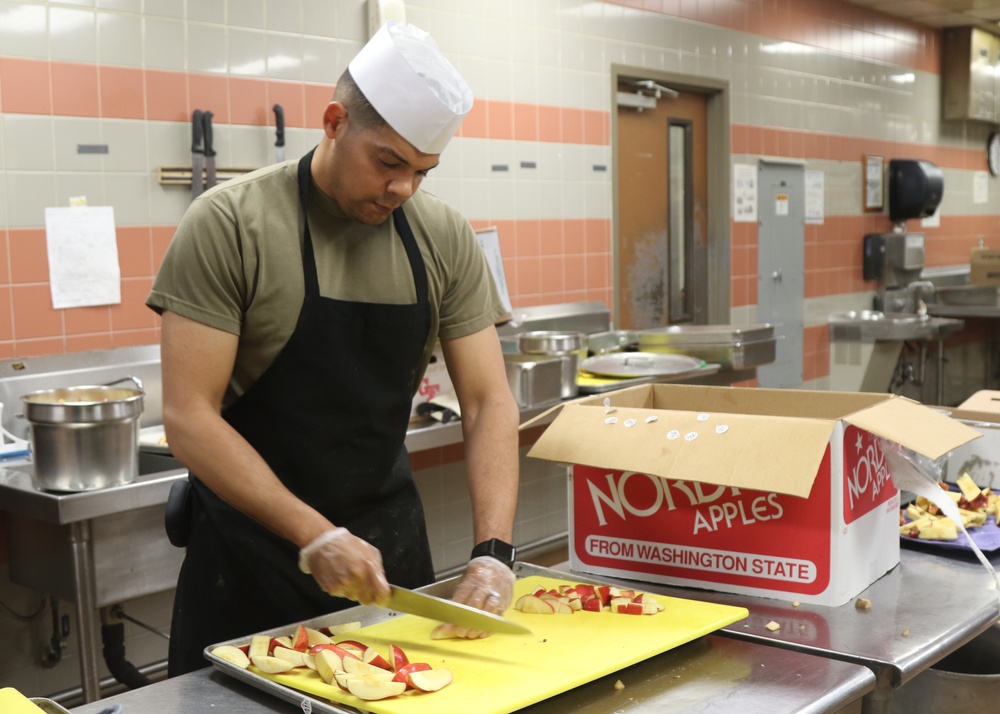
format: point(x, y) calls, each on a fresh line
point(13, 702)
point(503, 673)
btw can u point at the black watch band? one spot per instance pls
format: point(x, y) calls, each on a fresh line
point(495, 548)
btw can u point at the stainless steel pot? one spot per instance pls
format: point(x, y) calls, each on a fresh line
point(85, 438)
point(571, 347)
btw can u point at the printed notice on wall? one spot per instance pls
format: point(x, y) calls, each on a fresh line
point(814, 196)
point(980, 187)
point(745, 193)
point(489, 240)
point(83, 256)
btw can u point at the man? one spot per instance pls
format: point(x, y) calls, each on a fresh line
point(300, 305)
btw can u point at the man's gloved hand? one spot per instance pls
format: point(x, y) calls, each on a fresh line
point(486, 584)
point(346, 566)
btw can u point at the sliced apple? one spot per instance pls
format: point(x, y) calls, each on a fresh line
point(372, 657)
point(604, 592)
point(399, 658)
point(271, 665)
point(260, 646)
point(281, 641)
point(334, 630)
point(340, 678)
point(357, 666)
point(561, 608)
point(233, 655)
point(353, 645)
point(536, 605)
point(339, 651)
point(407, 669)
point(592, 604)
point(309, 661)
point(430, 680)
point(293, 656)
point(327, 663)
point(371, 688)
point(317, 638)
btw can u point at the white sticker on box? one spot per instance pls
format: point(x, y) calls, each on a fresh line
point(673, 434)
point(611, 420)
point(703, 417)
point(721, 428)
point(630, 422)
point(691, 436)
point(651, 419)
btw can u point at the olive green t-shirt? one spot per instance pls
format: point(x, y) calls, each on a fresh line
point(235, 264)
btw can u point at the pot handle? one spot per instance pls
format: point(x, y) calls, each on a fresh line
point(131, 378)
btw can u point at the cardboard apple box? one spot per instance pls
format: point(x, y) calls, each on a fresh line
point(984, 268)
point(767, 492)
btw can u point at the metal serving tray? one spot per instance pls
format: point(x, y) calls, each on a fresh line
point(736, 355)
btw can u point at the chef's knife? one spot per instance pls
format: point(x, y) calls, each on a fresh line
point(197, 154)
point(435, 608)
point(209, 152)
point(279, 133)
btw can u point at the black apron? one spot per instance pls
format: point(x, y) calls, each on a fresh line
point(329, 416)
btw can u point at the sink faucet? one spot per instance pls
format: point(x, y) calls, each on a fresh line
point(916, 291)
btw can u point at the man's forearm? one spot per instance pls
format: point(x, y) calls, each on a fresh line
point(491, 453)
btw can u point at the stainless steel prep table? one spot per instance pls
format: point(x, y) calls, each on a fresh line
point(708, 674)
point(941, 603)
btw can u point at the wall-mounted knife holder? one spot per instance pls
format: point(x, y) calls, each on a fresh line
point(181, 175)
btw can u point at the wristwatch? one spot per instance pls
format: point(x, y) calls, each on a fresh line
point(495, 548)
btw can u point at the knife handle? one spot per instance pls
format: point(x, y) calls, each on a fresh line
point(197, 122)
point(209, 151)
point(279, 123)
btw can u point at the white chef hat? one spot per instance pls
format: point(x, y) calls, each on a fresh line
point(419, 93)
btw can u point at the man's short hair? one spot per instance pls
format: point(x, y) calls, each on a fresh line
point(359, 110)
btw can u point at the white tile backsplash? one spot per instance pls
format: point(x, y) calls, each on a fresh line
point(23, 30)
point(28, 194)
point(164, 43)
point(27, 142)
point(72, 34)
point(207, 48)
point(120, 39)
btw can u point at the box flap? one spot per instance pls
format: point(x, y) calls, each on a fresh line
point(780, 454)
point(985, 400)
point(919, 428)
point(631, 396)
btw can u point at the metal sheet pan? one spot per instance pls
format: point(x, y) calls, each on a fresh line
point(542, 665)
point(737, 355)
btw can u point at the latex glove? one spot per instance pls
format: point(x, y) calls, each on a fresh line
point(346, 566)
point(486, 584)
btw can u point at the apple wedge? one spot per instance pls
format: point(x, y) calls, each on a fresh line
point(399, 658)
point(327, 663)
point(293, 656)
point(233, 655)
point(357, 666)
point(317, 638)
point(300, 639)
point(370, 688)
point(537, 605)
point(372, 657)
point(334, 630)
point(430, 680)
point(271, 665)
point(407, 669)
point(260, 646)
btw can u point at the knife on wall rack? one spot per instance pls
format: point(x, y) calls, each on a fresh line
point(279, 133)
point(210, 175)
point(197, 153)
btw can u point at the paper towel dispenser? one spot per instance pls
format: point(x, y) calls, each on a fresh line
point(915, 189)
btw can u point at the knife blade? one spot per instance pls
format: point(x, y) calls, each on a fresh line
point(209, 151)
point(197, 154)
point(435, 608)
point(279, 133)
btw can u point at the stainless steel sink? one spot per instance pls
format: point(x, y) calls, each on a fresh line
point(872, 325)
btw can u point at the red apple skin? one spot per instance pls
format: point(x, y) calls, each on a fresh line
point(270, 647)
point(347, 644)
point(372, 657)
point(593, 604)
point(403, 672)
point(399, 658)
point(300, 640)
point(246, 649)
point(603, 592)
